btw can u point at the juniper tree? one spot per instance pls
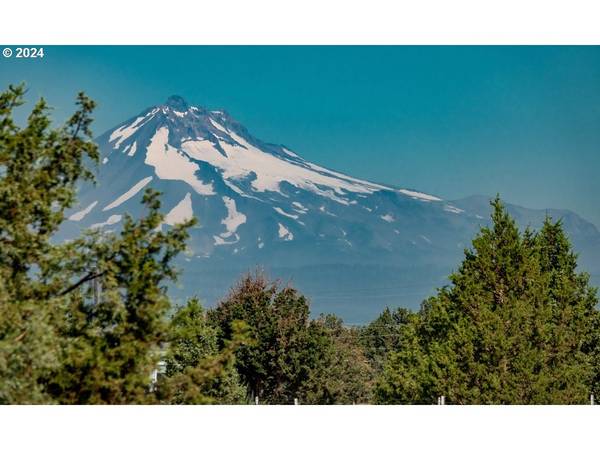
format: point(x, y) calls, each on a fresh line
point(59, 343)
point(512, 328)
point(192, 347)
point(574, 325)
point(343, 374)
point(112, 346)
point(39, 168)
point(382, 335)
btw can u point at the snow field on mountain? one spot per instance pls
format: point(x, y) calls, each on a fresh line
point(181, 212)
point(130, 193)
point(170, 164)
point(76, 217)
point(284, 233)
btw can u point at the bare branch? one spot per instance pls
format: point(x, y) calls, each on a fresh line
point(89, 277)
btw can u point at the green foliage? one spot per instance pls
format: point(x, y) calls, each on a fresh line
point(573, 337)
point(292, 357)
point(343, 375)
point(275, 365)
point(39, 168)
point(382, 335)
point(195, 371)
point(191, 338)
point(112, 345)
point(62, 341)
point(514, 327)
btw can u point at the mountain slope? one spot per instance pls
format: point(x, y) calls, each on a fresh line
point(352, 245)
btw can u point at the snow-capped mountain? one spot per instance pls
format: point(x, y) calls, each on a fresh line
point(351, 245)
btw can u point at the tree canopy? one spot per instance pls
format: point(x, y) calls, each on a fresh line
point(61, 342)
point(292, 357)
point(513, 328)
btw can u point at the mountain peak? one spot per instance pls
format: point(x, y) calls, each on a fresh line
point(262, 204)
point(177, 102)
point(202, 139)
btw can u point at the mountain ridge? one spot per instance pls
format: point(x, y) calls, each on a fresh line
point(262, 204)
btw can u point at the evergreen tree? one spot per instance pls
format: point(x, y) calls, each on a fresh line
point(39, 168)
point(344, 374)
point(191, 338)
point(112, 345)
point(192, 345)
point(61, 342)
point(511, 329)
point(382, 335)
point(571, 346)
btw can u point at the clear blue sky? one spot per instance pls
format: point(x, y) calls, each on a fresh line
point(451, 121)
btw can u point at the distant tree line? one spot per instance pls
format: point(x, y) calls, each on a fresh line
point(517, 324)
